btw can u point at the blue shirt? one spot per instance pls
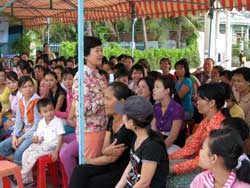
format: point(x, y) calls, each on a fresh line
point(187, 99)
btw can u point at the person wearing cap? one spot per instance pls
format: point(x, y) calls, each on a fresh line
point(148, 166)
point(106, 170)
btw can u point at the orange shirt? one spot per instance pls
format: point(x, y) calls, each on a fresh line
point(193, 147)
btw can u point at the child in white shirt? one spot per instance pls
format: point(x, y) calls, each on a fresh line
point(46, 140)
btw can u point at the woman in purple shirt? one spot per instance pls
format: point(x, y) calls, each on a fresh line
point(168, 115)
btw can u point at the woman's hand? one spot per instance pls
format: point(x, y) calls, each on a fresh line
point(54, 156)
point(14, 142)
point(114, 149)
point(19, 141)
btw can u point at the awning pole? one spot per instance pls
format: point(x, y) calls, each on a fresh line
point(211, 15)
point(134, 19)
point(6, 5)
point(81, 79)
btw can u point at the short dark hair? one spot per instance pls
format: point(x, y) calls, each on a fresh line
point(121, 73)
point(237, 124)
point(121, 90)
point(137, 67)
point(103, 72)
point(24, 66)
point(12, 76)
point(43, 103)
point(23, 80)
point(67, 71)
point(90, 42)
point(210, 59)
point(40, 67)
point(227, 74)
point(45, 44)
point(51, 73)
point(244, 71)
point(165, 59)
point(219, 68)
point(60, 67)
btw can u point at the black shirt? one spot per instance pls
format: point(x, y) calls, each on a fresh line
point(149, 150)
point(123, 136)
point(54, 98)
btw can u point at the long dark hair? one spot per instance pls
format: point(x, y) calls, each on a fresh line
point(184, 62)
point(150, 82)
point(230, 152)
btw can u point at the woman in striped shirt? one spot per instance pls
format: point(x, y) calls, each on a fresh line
point(227, 166)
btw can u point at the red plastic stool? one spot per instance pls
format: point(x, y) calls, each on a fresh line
point(42, 162)
point(6, 182)
point(9, 168)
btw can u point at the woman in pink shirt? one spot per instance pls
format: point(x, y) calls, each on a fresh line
point(222, 155)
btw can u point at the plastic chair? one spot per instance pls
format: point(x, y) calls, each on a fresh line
point(6, 182)
point(9, 168)
point(53, 169)
point(42, 162)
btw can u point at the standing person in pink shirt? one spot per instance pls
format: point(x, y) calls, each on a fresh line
point(94, 113)
point(227, 166)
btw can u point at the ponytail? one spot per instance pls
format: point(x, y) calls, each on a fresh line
point(243, 172)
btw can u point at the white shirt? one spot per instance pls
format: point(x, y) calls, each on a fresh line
point(51, 131)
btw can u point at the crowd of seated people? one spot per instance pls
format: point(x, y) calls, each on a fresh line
point(143, 128)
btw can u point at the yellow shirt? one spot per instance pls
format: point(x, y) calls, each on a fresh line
point(4, 100)
point(236, 111)
point(244, 103)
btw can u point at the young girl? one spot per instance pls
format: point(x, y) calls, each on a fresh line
point(68, 77)
point(136, 72)
point(148, 166)
point(226, 166)
point(56, 93)
point(27, 118)
point(12, 84)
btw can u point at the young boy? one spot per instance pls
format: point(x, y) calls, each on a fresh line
point(46, 140)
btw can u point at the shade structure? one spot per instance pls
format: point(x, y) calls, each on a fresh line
point(34, 13)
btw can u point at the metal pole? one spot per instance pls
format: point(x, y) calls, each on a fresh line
point(211, 15)
point(81, 79)
point(48, 23)
point(134, 19)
